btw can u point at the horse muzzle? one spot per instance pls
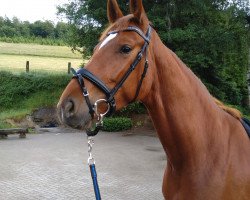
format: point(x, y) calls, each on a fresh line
point(71, 115)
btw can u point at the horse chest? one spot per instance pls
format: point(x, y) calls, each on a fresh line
point(210, 187)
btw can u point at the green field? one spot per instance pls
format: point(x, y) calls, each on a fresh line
point(45, 58)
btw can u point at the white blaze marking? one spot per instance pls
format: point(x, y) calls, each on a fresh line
point(107, 39)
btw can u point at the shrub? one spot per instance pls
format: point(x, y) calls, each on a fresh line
point(18, 89)
point(133, 108)
point(117, 124)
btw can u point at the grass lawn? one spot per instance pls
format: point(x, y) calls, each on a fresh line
point(38, 50)
point(45, 58)
point(17, 63)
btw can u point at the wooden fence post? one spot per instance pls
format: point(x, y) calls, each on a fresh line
point(69, 66)
point(27, 66)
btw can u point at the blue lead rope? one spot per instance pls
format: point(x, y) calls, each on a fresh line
point(91, 162)
point(95, 182)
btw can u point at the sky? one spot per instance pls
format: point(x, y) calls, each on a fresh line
point(30, 10)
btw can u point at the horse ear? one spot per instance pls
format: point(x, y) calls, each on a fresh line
point(136, 8)
point(114, 12)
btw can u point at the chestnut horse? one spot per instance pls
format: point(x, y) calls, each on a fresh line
point(207, 148)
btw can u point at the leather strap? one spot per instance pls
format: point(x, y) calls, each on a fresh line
point(85, 93)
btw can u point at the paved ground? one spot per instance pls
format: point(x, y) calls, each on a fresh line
point(53, 166)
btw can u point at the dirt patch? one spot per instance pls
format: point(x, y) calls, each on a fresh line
point(24, 122)
point(42, 117)
point(142, 125)
point(142, 121)
point(45, 117)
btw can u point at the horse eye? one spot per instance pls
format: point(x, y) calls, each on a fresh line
point(126, 49)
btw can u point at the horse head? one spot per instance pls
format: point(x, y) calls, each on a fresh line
point(115, 74)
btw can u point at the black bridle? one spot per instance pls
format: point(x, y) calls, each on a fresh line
point(82, 74)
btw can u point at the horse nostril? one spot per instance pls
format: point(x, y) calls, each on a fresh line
point(69, 108)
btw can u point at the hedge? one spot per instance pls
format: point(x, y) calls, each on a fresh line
point(114, 124)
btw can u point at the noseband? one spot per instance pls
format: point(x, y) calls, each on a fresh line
point(82, 74)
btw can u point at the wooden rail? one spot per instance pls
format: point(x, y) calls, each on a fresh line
point(21, 131)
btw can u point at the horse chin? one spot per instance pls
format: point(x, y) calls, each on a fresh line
point(83, 123)
point(76, 125)
point(80, 122)
point(89, 125)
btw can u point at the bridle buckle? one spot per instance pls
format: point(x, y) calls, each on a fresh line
point(85, 94)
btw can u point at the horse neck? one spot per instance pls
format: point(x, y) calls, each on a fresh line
point(181, 108)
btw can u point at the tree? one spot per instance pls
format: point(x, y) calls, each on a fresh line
point(25, 29)
point(42, 29)
point(15, 30)
point(211, 37)
point(61, 30)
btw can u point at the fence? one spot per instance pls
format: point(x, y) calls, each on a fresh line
point(28, 67)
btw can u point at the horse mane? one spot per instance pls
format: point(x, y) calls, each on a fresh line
point(232, 111)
